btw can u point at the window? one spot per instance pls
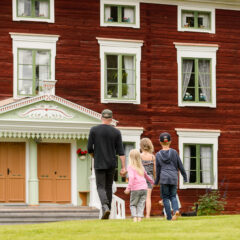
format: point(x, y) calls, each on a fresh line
point(198, 151)
point(131, 140)
point(197, 161)
point(127, 148)
point(33, 68)
point(196, 74)
point(33, 10)
point(120, 70)
point(119, 14)
point(120, 77)
point(196, 80)
point(34, 63)
point(196, 19)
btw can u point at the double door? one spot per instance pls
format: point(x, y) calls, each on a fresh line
point(12, 172)
point(54, 172)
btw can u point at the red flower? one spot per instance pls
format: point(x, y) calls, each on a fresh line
point(80, 152)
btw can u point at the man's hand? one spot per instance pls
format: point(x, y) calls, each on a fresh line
point(123, 172)
point(126, 191)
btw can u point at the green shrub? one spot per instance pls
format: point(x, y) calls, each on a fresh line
point(210, 203)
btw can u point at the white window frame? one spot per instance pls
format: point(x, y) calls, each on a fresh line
point(209, 9)
point(192, 50)
point(120, 46)
point(135, 4)
point(133, 135)
point(51, 19)
point(32, 41)
point(199, 136)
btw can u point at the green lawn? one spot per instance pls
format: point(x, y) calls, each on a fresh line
point(215, 227)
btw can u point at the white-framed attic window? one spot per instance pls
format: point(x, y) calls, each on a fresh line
point(33, 63)
point(196, 74)
point(33, 10)
point(198, 150)
point(120, 70)
point(196, 19)
point(120, 13)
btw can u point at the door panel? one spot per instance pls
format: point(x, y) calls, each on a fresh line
point(54, 172)
point(12, 172)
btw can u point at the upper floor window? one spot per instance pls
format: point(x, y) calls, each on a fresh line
point(119, 14)
point(196, 19)
point(33, 69)
point(120, 70)
point(196, 80)
point(196, 74)
point(33, 10)
point(34, 63)
point(198, 150)
point(120, 77)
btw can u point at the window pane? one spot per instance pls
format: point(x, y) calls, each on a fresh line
point(188, 81)
point(190, 163)
point(112, 76)
point(42, 58)
point(128, 77)
point(128, 14)
point(113, 14)
point(112, 61)
point(41, 9)
point(205, 164)
point(25, 57)
point(187, 19)
point(204, 20)
point(25, 87)
point(25, 72)
point(24, 8)
point(204, 77)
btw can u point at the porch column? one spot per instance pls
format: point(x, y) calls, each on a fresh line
point(33, 178)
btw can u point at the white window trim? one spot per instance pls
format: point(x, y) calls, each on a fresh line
point(16, 18)
point(200, 9)
point(32, 41)
point(120, 2)
point(120, 46)
point(133, 135)
point(196, 51)
point(198, 136)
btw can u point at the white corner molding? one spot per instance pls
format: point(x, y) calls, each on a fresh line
point(209, 9)
point(51, 19)
point(134, 3)
point(194, 50)
point(32, 41)
point(120, 46)
point(199, 136)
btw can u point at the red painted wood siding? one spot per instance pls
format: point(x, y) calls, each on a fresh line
point(78, 75)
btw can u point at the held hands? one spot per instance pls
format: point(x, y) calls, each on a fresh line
point(123, 172)
point(126, 191)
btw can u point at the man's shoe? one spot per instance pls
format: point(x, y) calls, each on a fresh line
point(105, 212)
point(175, 216)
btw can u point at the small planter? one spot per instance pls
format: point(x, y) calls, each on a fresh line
point(82, 157)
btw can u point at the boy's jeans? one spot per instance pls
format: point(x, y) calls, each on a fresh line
point(168, 193)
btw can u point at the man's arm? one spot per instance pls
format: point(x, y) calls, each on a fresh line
point(123, 170)
point(90, 146)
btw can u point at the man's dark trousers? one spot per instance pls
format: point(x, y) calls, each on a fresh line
point(104, 182)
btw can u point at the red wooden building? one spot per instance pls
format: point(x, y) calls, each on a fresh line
point(159, 65)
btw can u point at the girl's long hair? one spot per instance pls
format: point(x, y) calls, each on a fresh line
point(146, 145)
point(136, 162)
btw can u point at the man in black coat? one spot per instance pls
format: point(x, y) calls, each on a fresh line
point(105, 143)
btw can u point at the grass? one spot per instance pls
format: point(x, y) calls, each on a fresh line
point(194, 228)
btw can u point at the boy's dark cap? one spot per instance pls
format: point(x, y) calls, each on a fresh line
point(165, 137)
point(106, 113)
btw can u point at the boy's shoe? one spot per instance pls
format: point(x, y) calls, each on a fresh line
point(175, 216)
point(105, 212)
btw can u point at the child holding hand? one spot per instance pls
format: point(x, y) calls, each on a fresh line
point(137, 185)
